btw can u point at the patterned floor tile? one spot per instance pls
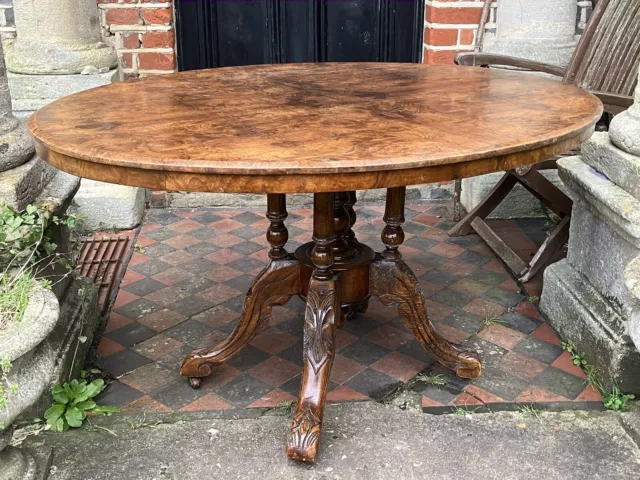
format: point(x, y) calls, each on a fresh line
point(187, 290)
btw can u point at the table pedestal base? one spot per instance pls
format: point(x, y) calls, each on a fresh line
point(336, 275)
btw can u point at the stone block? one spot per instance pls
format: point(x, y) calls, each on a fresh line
point(518, 204)
point(603, 198)
point(20, 186)
point(31, 92)
point(620, 167)
point(71, 338)
point(16, 146)
point(577, 311)
point(601, 255)
point(106, 205)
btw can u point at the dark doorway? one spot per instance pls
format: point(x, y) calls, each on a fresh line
point(218, 33)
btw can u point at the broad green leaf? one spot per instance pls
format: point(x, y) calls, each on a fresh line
point(54, 412)
point(88, 405)
point(74, 417)
point(60, 397)
point(105, 410)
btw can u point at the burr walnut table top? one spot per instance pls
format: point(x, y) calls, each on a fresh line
point(312, 127)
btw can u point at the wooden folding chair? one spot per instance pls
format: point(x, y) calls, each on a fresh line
point(605, 62)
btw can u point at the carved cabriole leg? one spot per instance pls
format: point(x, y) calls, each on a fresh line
point(393, 282)
point(275, 285)
point(322, 312)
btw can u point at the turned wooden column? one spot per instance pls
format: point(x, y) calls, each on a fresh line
point(392, 234)
point(322, 311)
point(277, 233)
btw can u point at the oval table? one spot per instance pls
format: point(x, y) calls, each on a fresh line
point(326, 129)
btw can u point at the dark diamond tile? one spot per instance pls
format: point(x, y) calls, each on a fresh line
point(414, 228)
point(501, 383)
point(243, 390)
point(467, 241)
point(520, 322)
point(138, 309)
point(246, 248)
point(199, 266)
point(374, 384)
point(247, 358)
point(151, 267)
point(144, 287)
point(294, 353)
point(177, 393)
point(292, 386)
point(451, 297)
point(503, 297)
point(158, 250)
point(193, 285)
point(207, 218)
point(429, 259)
point(122, 362)
point(359, 325)
point(241, 283)
point(489, 353)
point(117, 394)
point(560, 383)
point(173, 360)
point(364, 352)
point(203, 233)
point(248, 232)
point(163, 217)
point(247, 218)
point(131, 334)
point(246, 264)
point(414, 349)
point(294, 325)
point(487, 277)
point(464, 321)
point(161, 234)
point(191, 306)
point(446, 225)
point(236, 303)
point(201, 249)
point(421, 243)
point(439, 277)
point(534, 348)
point(473, 258)
point(190, 332)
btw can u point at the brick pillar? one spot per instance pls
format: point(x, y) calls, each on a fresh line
point(450, 28)
point(144, 35)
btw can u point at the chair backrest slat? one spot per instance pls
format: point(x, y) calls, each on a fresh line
point(608, 56)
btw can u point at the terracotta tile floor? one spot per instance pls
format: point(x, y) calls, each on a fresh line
point(186, 291)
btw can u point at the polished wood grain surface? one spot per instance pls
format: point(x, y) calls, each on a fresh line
point(303, 127)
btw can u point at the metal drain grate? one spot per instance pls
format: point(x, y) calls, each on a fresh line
point(101, 260)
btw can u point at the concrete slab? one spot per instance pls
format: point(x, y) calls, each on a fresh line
point(361, 440)
point(106, 205)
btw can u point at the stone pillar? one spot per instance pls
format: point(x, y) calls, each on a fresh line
point(543, 30)
point(593, 296)
point(58, 37)
point(16, 145)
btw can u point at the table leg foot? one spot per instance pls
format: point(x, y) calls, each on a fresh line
point(393, 282)
point(322, 313)
point(274, 286)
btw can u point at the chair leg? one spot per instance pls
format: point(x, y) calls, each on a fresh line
point(486, 206)
point(554, 242)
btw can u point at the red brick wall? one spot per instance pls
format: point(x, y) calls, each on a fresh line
point(143, 35)
point(451, 27)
